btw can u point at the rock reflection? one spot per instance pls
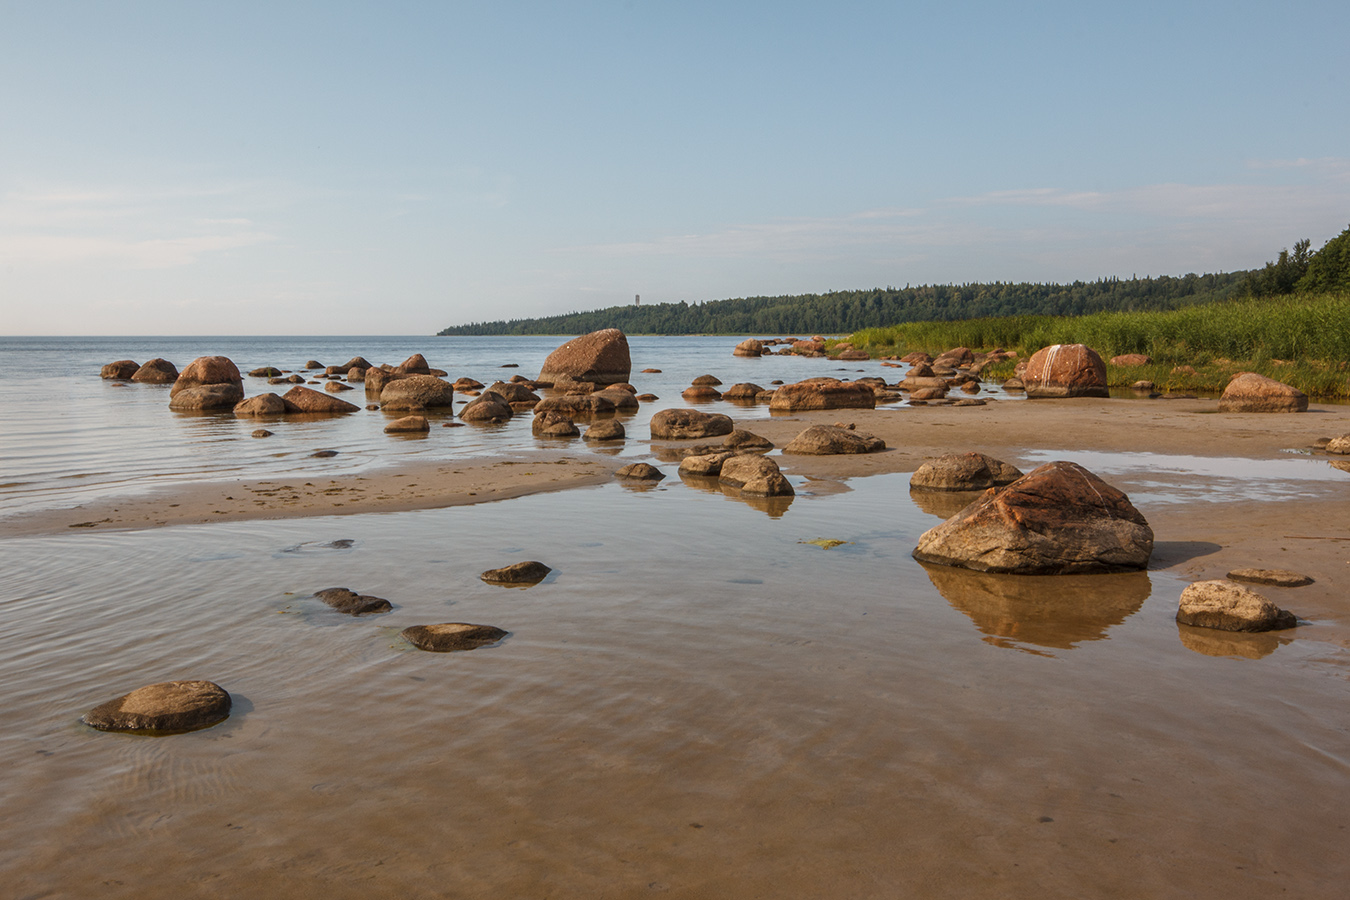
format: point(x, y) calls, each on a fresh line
point(774, 507)
point(944, 504)
point(1055, 611)
point(1240, 645)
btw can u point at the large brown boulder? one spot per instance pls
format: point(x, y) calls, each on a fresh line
point(823, 393)
point(601, 357)
point(356, 362)
point(414, 365)
point(641, 472)
point(156, 371)
point(831, 440)
point(954, 358)
point(1230, 607)
point(744, 392)
point(170, 707)
point(378, 379)
point(605, 430)
point(685, 424)
point(624, 401)
point(1250, 392)
point(300, 399)
point(576, 406)
point(705, 463)
point(755, 474)
point(261, 405)
point(416, 392)
point(120, 370)
point(701, 393)
point(1065, 370)
point(963, 472)
point(208, 370)
point(206, 396)
point(749, 347)
point(1058, 519)
point(512, 392)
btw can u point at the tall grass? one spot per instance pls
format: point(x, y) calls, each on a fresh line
point(1312, 330)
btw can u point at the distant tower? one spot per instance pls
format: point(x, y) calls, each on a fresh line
point(637, 299)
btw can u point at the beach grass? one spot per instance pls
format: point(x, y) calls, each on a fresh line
point(1301, 340)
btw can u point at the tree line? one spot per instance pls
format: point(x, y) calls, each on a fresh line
point(1302, 272)
point(841, 312)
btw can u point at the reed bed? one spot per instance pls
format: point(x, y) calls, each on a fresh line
point(1303, 340)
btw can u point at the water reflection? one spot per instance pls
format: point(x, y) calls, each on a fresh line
point(1212, 642)
point(1055, 611)
point(944, 504)
point(774, 507)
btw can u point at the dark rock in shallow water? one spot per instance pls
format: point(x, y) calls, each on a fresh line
point(323, 454)
point(641, 471)
point(262, 432)
point(528, 572)
point(452, 636)
point(170, 707)
point(351, 603)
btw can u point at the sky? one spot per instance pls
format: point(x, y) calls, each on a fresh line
point(393, 168)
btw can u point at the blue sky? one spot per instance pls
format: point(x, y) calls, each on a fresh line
point(392, 168)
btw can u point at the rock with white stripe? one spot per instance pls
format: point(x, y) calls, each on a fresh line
point(1065, 370)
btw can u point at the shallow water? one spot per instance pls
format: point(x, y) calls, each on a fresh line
point(695, 703)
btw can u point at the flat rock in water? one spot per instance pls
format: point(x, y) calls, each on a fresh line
point(830, 440)
point(206, 396)
point(529, 572)
point(408, 425)
point(452, 636)
point(1273, 577)
point(642, 471)
point(608, 430)
point(170, 707)
point(1058, 519)
point(300, 399)
point(705, 464)
point(351, 603)
point(1230, 607)
point(685, 424)
point(323, 454)
point(823, 393)
point(963, 472)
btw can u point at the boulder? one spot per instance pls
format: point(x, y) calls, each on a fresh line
point(823, 393)
point(208, 370)
point(1338, 445)
point(1230, 607)
point(830, 440)
point(337, 387)
point(641, 472)
point(451, 636)
point(963, 472)
point(576, 406)
point(120, 370)
point(356, 362)
point(1273, 577)
point(262, 433)
point(927, 394)
point(1130, 360)
point(1014, 384)
point(749, 347)
point(744, 391)
point(300, 399)
point(351, 603)
point(712, 380)
point(1058, 519)
point(955, 358)
point(552, 423)
point(601, 357)
point(261, 405)
point(529, 572)
point(488, 407)
point(312, 364)
point(1065, 370)
point(355, 374)
point(705, 463)
point(378, 379)
point(157, 371)
point(808, 348)
point(468, 384)
point(206, 396)
point(265, 372)
point(510, 391)
point(415, 365)
point(607, 430)
point(755, 474)
point(426, 391)
point(624, 401)
point(170, 707)
point(745, 440)
point(1250, 392)
point(854, 355)
point(408, 425)
point(701, 393)
point(686, 424)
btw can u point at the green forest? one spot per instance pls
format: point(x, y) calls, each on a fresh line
point(845, 312)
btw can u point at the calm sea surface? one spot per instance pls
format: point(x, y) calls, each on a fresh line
point(696, 703)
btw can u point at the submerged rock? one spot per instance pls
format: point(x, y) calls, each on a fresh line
point(452, 636)
point(1273, 577)
point(1058, 519)
point(351, 603)
point(1230, 607)
point(408, 425)
point(529, 572)
point(170, 707)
